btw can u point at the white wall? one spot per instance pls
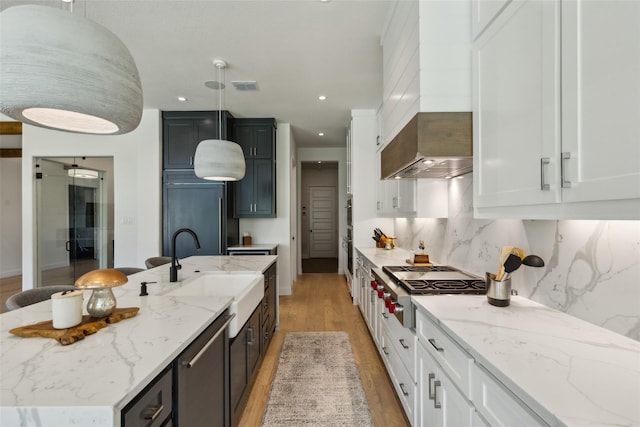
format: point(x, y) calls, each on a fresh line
point(137, 184)
point(592, 268)
point(10, 217)
point(277, 230)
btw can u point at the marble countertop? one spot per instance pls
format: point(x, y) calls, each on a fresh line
point(254, 246)
point(571, 372)
point(43, 383)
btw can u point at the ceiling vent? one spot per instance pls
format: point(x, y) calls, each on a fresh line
point(245, 85)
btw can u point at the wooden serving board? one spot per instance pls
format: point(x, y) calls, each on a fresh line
point(418, 264)
point(89, 325)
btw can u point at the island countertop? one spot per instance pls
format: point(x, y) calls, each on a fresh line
point(88, 383)
point(570, 372)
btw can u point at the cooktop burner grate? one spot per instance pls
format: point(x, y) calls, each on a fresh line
point(438, 285)
point(424, 268)
point(456, 286)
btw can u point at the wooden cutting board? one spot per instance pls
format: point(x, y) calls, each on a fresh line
point(89, 325)
point(418, 264)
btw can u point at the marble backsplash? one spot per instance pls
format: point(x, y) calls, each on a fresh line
point(592, 268)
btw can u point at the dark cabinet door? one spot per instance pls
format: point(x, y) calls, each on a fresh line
point(264, 187)
point(178, 149)
point(254, 352)
point(263, 140)
point(243, 192)
point(255, 194)
point(183, 131)
point(198, 205)
point(201, 375)
point(244, 357)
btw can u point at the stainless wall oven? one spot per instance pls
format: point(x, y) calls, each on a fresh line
point(350, 236)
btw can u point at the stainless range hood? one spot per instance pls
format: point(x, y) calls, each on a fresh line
point(431, 145)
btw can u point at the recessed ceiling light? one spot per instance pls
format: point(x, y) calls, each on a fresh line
point(320, 133)
point(182, 98)
point(322, 98)
point(428, 162)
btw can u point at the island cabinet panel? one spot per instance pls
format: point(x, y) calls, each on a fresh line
point(198, 204)
point(245, 357)
point(201, 375)
point(183, 131)
point(255, 194)
point(269, 307)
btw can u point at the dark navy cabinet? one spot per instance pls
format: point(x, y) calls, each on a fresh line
point(182, 132)
point(255, 194)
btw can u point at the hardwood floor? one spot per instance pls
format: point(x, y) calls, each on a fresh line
point(321, 302)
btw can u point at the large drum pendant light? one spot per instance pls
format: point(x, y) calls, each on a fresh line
point(66, 72)
point(218, 159)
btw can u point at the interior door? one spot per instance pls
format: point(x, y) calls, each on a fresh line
point(322, 222)
point(72, 222)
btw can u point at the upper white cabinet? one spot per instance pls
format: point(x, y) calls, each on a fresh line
point(601, 100)
point(396, 197)
point(556, 108)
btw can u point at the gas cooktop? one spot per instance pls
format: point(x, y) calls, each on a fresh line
point(439, 279)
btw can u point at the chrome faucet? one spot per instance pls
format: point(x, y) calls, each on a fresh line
point(175, 264)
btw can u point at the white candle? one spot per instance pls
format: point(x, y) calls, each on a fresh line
point(66, 309)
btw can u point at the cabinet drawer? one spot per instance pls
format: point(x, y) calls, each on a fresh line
point(403, 340)
point(153, 406)
point(497, 404)
point(404, 385)
point(453, 359)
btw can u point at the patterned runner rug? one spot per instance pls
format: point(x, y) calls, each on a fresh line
point(316, 383)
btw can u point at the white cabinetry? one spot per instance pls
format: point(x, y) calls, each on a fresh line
point(454, 390)
point(403, 382)
point(441, 403)
point(396, 197)
point(497, 404)
point(555, 110)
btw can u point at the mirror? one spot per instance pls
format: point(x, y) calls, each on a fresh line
point(74, 215)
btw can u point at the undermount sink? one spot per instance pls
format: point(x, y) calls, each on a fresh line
point(247, 290)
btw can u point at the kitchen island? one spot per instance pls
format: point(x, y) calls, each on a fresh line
point(88, 383)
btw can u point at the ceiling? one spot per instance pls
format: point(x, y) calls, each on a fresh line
point(296, 50)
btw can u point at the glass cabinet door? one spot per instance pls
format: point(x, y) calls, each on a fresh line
point(73, 226)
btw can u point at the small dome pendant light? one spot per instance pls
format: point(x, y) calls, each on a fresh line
point(218, 159)
point(66, 72)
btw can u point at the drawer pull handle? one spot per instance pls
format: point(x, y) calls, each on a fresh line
point(432, 394)
point(436, 404)
point(151, 412)
point(433, 343)
point(563, 170)
point(403, 343)
point(403, 390)
point(192, 362)
point(385, 315)
point(384, 350)
point(544, 162)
